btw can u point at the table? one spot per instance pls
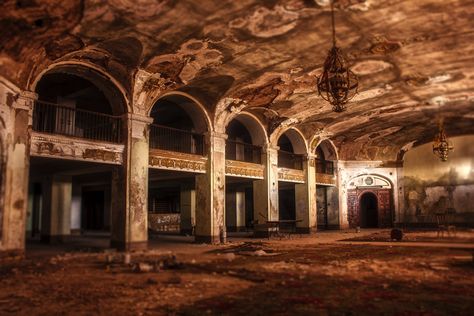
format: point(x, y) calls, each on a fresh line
point(274, 227)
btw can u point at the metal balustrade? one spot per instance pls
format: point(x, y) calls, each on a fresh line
point(290, 160)
point(172, 139)
point(240, 151)
point(69, 121)
point(323, 166)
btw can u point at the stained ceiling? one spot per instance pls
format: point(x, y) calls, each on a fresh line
point(414, 59)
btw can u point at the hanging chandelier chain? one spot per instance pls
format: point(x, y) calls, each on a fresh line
point(337, 84)
point(333, 24)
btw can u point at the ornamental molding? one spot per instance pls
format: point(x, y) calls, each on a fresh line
point(161, 159)
point(244, 169)
point(325, 179)
point(291, 175)
point(64, 147)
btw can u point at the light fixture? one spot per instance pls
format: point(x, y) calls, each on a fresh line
point(441, 146)
point(337, 84)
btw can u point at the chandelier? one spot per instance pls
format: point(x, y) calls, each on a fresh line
point(441, 146)
point(337, 84)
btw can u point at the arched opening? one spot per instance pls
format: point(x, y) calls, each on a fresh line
point(176, 134)
point(291, 153)
point(381, 188)
point(178, 125)
point(244, 144)
point(368, 210)
point(291, 150)
point(69, 199)
point(79, 103)
point(327, 193)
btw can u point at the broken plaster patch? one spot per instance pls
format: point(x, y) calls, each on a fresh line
point(267, 23)
point(370, 67)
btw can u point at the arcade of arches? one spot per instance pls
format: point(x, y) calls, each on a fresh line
point(131, 138)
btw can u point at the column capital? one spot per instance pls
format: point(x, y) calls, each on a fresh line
point(138, 118)
point(270, 147)
point(25, 100)
point(214, 134)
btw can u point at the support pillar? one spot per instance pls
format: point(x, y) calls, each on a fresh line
point(56, 215)
point(266, 193)
point(305, 197)
point(188, 209)
point(210, 192)
point(16, 108)
point(129, 230)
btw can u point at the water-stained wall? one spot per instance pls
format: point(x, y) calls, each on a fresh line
point(432, 186)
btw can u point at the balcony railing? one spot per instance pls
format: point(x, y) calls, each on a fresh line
point(235, 150)
point(172, 139)
point(290, 160)
point(63, 120)
point(323, 166)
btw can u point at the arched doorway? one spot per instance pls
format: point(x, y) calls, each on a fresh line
point(291, 153)
point(368, 194)
point(368, 216)
point(177, 135)
point(76, 104)
point(327, 193)
point(245, 138)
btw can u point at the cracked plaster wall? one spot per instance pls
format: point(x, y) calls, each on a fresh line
point(433, 186)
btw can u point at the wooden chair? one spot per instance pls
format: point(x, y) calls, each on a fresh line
point(442, 220)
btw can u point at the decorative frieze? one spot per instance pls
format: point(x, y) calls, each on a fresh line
point(291, 175)
point(162, 159)
point(57, 146)
point(244, 169)
point(325, 179)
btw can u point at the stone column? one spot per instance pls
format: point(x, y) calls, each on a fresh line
point(129, 204)
point(16, 109)
point(210, 192)
point(265, 192)
point(188, 209)
point(56, 214)
point(305, 197)
point(342, 187)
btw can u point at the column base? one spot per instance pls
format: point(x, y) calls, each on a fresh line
point(207, 239)
point(54, 239)
point(129, 246)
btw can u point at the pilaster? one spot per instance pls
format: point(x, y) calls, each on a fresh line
point(266, 192)
point(16, 115)
point(130, 188)
point(210, 192)
point(305, 197)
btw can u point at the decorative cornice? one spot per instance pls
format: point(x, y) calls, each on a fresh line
point(244, 169)
point(325, 179)
point(75, 149)
point(161, 159)
point(291, 175)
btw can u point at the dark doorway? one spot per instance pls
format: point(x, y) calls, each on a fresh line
point(93, 210)
point(286, 201)
point(322, 207)
point(249, 207)
point(368, 211)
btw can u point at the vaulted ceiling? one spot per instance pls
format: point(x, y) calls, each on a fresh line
point(414, 59)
